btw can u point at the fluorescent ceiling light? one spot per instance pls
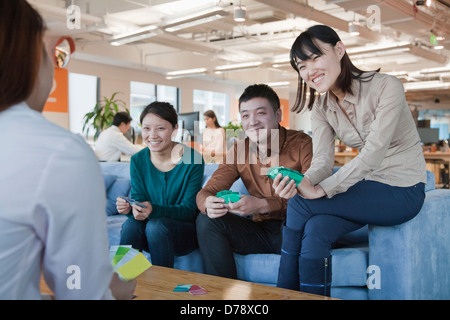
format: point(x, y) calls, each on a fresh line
point(435, 70)
point(194, 19)
point(426, 85)
point(279, 84)
point(135, 35)
point(385, 47)
point(239, 66)
point(185, 73)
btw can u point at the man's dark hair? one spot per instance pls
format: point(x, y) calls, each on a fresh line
point(120, 117)
point(260, 91)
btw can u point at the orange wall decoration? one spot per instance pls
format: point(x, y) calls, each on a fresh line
point(58, 101)
point(284, 104)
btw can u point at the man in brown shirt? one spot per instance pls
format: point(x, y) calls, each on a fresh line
point(253, 224)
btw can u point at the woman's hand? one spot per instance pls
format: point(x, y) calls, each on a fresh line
point(122, 206)
point(283, 187)
point(140, 213)
point(122, 290)
point(308, 191)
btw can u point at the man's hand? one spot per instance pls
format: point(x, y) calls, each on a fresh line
point(249, 205)
point(215, 207)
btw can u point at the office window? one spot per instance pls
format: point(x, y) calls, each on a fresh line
point(83, 96)
point(142, 94)
point(168, 94)
point(216, 101)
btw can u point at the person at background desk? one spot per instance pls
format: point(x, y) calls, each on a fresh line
point(165, 178)
point(52, 194)
point(382, 185)
point(214, 147)
point(253, 224)
point(112, 143)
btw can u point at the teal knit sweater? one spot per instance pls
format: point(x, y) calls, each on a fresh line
point(173, 193)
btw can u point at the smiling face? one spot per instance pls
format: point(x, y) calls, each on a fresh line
point(157, 133)
point(321, 71)
point(258, 118)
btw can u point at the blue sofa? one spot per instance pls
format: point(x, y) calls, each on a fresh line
point(408, 261)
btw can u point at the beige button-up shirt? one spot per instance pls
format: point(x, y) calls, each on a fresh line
point(379, 124)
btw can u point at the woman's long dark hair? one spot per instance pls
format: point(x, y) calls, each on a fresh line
point(304, 46)
point(21, 50)
point(211, 114)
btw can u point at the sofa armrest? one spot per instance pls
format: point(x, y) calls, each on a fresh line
point(413, 258)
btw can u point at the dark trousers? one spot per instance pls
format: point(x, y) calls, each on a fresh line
point(318, 223)
point(219, 238)
point(324, 220)
point(163, 238)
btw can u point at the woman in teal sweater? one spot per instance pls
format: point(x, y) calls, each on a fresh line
point(165, 178)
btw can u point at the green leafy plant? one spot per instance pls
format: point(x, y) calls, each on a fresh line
point(103, 114)
point(234, 125)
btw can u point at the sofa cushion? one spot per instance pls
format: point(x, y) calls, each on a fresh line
point(114, 224)
point(431, 181)
point(119, 169)
point(120, 187)
point(349, 266)
point(259, 268)
point(108, 179)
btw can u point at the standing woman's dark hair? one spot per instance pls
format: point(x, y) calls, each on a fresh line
point(211, 114)
point(19, 63)
point(304, 47)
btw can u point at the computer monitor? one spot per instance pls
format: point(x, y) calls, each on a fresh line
point(428, 135)
point(189, 122)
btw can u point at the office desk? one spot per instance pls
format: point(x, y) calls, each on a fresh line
point(344, 157)
point(437, 156)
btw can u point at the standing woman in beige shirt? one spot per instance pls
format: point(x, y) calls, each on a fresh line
point(383, 185)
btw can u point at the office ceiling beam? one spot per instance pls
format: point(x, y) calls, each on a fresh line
point(310, 13)
point(435, 22)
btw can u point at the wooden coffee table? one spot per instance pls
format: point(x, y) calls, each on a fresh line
point(158, 283)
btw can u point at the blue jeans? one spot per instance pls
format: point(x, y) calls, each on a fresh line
point(164, 238)
point(323, 221)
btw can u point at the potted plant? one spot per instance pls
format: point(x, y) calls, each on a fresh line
point(233, 131)
point(102, 115)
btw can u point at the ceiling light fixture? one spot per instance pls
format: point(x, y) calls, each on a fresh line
point(279, 84)
point(194, 19)
point(236, 67)
point(133, 36)
point(422, 85)
point(185, 73)
point(423, 2)
point(240, 12)
point(353, 28)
